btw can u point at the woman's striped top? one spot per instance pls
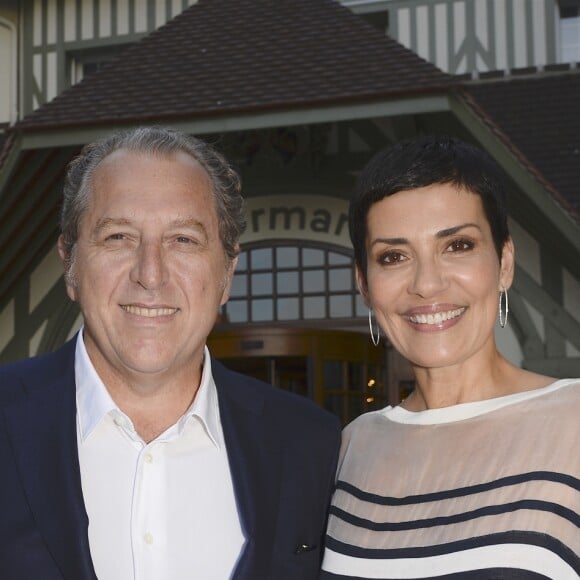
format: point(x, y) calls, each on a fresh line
point(482, 490)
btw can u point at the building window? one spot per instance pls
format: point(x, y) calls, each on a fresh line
point(292, 283)
point(85, 62)
point(570, 33)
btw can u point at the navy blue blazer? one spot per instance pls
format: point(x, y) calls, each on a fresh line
point(282, 451)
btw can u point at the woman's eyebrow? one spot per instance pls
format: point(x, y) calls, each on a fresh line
point(455, 229)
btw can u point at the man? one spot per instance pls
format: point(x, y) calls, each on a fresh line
point(129, 453)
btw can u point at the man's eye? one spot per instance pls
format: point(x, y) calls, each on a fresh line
point(184, 240)
point(117, 236)
point(460, 246)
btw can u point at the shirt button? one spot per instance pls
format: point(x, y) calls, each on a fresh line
point(148, 458)
point(148, 537)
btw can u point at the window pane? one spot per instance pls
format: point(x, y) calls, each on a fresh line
point(361, 308)
point(340, 306)
point(237, 311)
point(287, 283)
point(262, 259)
point(262, 310)
point(242, 262)
point(335, 259)
point(262, 284)
point(314, 307)
point(312, 257)
point(287, 257)
point(239, 285)
point(288, 309)
point(312, 281)
point(340, 279)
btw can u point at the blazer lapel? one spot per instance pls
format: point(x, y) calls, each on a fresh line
point(254, 453)
point(42, 429)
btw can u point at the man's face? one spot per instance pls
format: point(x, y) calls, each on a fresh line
point(149, 269)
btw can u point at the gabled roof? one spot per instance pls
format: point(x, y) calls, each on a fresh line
point(237, 56)
point(538, 116)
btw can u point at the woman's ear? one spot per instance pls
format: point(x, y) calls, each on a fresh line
point(507, 265)
point(361, 284)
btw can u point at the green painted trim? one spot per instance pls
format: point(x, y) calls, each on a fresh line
point(530, 45)
point(63, 74)
point(552, 282)
point(131, 16)
point(549, 308)
point(523, 326)
point(470, 36)
point(26, 103)
point(96, 19)
point(114, 21)
point(509, 26)
point(491, 36)
point(552, 34)
point(7, 169)
point(562, 368)
point(63, 136)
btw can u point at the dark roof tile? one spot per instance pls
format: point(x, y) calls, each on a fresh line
point(227, 56)
point(540, 115)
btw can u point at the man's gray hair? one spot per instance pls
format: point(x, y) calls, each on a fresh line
point(154, 141)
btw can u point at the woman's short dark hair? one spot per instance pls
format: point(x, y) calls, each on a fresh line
point(421, 162)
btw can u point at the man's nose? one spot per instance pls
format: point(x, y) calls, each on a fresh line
point(149, 270)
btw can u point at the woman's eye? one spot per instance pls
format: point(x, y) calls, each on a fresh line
point(392, 258)
point(460, 246)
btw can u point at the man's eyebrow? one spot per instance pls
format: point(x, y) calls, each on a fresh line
point(188, 223)
point(455, 229)
point(106, 222)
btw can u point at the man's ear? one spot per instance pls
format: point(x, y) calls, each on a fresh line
point(67, 264)
point(361, 284)
point(507, 265)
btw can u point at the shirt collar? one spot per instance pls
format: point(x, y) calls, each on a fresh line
point(94, 401)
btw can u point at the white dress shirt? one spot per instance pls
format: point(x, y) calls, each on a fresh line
point(165, 510)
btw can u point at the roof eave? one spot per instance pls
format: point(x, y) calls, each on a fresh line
point(420, 102)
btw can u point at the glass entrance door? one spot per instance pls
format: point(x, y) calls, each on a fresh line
point(341, 371)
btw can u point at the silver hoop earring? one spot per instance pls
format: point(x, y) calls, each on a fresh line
point(503, 315)
point(374, 340)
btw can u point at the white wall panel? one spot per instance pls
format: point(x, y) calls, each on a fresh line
point(441, 44)
point(88, 20)
point(404, 27)
point(501, 61)
point(423, 33)
point(122, 16)
point(51, 21)
point(37, 23)
point(105, 16)
point(51, 76)
point(520, 48)
point(70, 22)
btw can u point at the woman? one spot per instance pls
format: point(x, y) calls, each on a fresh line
point(477, 473)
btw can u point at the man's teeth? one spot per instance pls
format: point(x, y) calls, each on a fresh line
point(149, 312)
point(436, 318)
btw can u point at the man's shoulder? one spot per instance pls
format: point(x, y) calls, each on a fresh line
point(34, 372)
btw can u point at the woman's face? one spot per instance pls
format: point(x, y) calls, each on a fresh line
point(433, 274)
